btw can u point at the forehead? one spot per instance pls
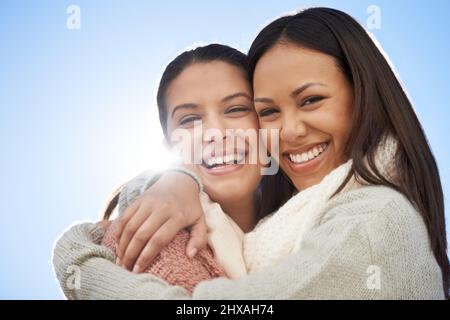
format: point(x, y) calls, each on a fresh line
point(287, 65)
point(205, 82)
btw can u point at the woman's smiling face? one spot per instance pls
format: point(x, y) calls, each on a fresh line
point(305, 95)
point(218, 96)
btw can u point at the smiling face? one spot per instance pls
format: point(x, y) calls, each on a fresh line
point(219, 95)
point(305, 95)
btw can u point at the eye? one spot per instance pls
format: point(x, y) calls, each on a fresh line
point(311, 100)
point(267, 112)
point(235, 109)
point(188, 120)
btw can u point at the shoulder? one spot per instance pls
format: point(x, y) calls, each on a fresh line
point(371, 202)
point(385, 216)
point(394, 230)
point(375, 233)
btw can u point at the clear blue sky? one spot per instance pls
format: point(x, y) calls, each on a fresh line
point(78, 114)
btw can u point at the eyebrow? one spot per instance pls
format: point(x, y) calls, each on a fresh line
point(302, 88)
point(294, 93)
point(236, 95)
point(184, 106)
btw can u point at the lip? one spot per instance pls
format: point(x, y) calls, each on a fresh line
point(305, 167)
point(222, 170)
point(304, 148)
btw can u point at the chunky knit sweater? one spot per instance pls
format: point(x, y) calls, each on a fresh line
point(223, 257)
point(369, 243)
point(173, 265)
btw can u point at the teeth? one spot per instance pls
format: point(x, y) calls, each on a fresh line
point(230, 158)
point(304, 156)
point(315, 151)
point(308, 155)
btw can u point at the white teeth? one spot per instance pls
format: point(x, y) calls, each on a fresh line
point(315, 151)
point(240, 157)
point(230, 158)
point(308, 155)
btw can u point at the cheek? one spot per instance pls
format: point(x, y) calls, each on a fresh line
point(270, 135)
point(270, 140)
point(246, 127)
point(185, 144)
point(249, 121)
point(336, 122)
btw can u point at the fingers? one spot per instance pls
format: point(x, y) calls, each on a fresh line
point(104, 224)
point(159, 241)
point(198, 237)
point(132, 226)
point(141, 238)
point(125, 217)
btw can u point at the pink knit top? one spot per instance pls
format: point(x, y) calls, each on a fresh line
point(173, 265)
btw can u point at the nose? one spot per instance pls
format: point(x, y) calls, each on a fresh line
point(293, 128)
point(214, 129)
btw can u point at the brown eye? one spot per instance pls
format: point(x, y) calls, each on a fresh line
point(311, 100)
point(188, 120)
point(237, 109)
point(267, 112)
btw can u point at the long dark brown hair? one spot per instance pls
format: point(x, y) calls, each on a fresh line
point(381, 108)
point(266, 201)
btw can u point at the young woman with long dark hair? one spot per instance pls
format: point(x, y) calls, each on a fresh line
point(207, 84)
point(368, 218)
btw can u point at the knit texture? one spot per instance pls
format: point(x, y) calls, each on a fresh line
point(224, 235)
point(281, 234)
point(368, 242)
point(367, 234)
point(173, 265)
point(222, 257)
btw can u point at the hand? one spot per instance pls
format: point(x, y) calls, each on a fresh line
point(153, 220)
point(104, 224)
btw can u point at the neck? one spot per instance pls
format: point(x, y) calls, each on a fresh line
point(242, 211)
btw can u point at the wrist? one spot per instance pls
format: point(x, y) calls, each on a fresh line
point(176, 180)
point(189, 174)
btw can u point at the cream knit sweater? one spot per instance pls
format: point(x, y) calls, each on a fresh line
point(370, 243)
point(282, 233)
